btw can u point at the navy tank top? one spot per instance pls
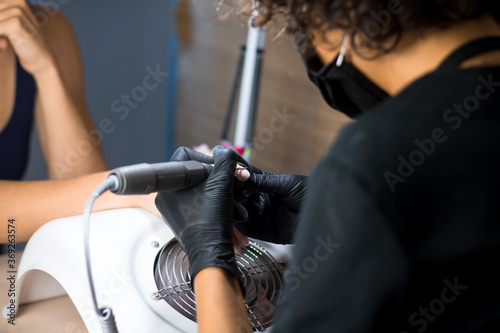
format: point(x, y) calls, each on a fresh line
point(15, 137)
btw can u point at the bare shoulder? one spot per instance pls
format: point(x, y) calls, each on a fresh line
point(50, 20)
point(52, 23)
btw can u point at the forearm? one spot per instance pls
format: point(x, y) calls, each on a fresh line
point(65, 131)
point(33, 203)
point(219, 303)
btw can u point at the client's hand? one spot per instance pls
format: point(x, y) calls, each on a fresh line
point(20, 28)
point(202, 217)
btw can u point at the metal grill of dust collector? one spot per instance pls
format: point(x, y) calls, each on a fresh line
point(262, 277)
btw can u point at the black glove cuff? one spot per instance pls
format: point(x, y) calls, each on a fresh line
point(215, 257)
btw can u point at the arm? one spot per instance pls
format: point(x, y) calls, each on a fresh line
point(47, 50)
point(349, 271)
point(201, 219)
point(34, 203)
point(219, 303)
point(63, 121)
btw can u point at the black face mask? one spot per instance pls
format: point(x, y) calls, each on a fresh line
point(344, 88)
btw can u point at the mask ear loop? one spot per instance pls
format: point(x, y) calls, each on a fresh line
point(343, 49)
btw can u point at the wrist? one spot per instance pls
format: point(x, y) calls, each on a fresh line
point(214, 256)
point(47, 71)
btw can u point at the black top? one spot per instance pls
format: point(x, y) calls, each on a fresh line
point(15, 137)
point(401, 232)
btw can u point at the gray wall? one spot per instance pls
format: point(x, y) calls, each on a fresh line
point(121, 42)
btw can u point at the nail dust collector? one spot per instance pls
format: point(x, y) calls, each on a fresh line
point(140, 272)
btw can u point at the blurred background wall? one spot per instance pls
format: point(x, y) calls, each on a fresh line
point(121, 41)
point(210, 37)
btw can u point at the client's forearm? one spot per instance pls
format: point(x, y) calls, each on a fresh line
point(33, 203)
point(65, 129)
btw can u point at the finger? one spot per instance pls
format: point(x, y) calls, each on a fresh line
point(240, 213)
point(242, 174)
point(225, 159)
point(243, 240)
point(187, 154)
point(240, 191)
point(20, 11)
point(266, 183)
point(16, 26)
point(237, 155)
point(239, 240)
point(10, 3)
point(26, 8)
point(236, 245)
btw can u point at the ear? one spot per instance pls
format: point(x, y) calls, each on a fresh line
point(329, 43)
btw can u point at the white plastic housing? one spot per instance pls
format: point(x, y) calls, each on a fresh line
point(123, 250)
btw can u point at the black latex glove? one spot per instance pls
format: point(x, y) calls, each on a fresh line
point(273, 206)
point(202, 217)
point(271, 202)
point(187, 154)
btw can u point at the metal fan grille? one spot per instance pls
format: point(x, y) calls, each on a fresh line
point(262, 277)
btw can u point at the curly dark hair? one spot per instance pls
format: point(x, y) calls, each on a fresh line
point(377, 23)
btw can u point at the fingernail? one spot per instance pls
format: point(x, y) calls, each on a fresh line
point(245, 173)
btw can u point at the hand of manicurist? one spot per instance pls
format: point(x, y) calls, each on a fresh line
point(273, 206)
point(202, 217)
point(271, 201)
point(187, 154)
